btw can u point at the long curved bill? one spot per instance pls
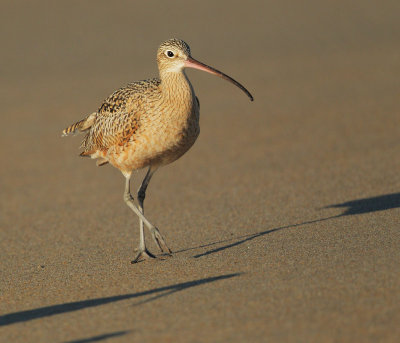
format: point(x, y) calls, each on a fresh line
point(192, 63)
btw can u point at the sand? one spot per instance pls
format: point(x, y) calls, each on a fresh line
point(284, 216)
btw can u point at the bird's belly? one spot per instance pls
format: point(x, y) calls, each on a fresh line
point(160, 146)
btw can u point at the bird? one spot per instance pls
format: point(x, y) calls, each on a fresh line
point(147, 124)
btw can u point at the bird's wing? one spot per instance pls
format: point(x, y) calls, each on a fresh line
point(111, 129)
point(118, 117)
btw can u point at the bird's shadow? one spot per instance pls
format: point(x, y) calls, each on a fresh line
point(367, 205)
point(358, 206)
point(24, 316)
point(99, 338)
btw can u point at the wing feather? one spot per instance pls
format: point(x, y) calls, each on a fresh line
point(118, 117)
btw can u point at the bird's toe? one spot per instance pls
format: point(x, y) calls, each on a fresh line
point(142, 255)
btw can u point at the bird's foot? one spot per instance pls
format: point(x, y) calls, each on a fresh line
point(159, 239)
point(143, 254)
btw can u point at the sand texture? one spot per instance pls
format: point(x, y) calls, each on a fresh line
point(283, 217)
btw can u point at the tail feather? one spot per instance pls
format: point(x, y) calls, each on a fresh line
point(80, 126)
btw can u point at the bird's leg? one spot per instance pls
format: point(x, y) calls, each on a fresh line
point(142, 250)
point(158, 238)
point(141, 195)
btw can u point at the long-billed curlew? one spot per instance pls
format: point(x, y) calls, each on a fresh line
point(148, 124)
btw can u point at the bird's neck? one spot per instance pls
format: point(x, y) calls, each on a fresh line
point(176, 87)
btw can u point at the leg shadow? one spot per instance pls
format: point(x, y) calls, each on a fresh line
point(250, 237)
point(23, 316)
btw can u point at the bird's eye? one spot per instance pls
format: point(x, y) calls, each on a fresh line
point(170, 54)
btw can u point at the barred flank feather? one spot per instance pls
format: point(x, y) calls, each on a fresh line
point(72, 128)
point(81, 125)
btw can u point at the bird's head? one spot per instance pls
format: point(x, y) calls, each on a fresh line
point(174, 55)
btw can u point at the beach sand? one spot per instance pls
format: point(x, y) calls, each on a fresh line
point(283, 217)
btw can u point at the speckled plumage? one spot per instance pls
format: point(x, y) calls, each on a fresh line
point(147, 124)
